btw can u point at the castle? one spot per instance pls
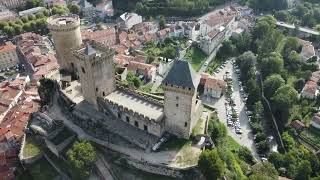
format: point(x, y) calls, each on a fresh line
point(177, 115)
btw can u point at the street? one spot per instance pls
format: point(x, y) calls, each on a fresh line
point(246, 139)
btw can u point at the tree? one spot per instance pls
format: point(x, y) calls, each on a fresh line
point(211, 165)
point(246, 62)
point(74, 9)
point(58, 9)
point(245, 154)
point(264, 170)
point(46, 90)
point(272, 84)
point(133, 80)
point(276, 159)
point(33, 3)
point(285, 96)
point(31, 17)
point(82, 157)
point(291, 44)
point(242, 42)
point(288, 141)
point(299, 84)
point(169, 52)
point(9, 30)
point(263, 146)
point(293, 62)
point(162, 22)
point(303, 171)
point(39, 15)
point(227, 49)
point(217, 130)
point(3, 24)
point(24, 19)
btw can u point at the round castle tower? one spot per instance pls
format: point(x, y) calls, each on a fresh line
point(65, 30)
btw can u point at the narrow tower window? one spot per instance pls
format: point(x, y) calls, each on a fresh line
point(83, 71)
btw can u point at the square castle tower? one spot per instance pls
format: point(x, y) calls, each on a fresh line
point(177, 115)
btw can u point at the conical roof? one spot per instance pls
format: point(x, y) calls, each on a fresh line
point(182, 74)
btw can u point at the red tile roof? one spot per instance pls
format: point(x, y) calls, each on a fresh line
point(215, 84)
point(7, 48)
point(297, 124)
point(310, 87)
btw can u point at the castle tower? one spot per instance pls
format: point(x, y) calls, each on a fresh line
point(181, 107)
point(96, 71)
point(66, 35)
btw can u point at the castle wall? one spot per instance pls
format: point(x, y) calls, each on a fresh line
point(133, 118)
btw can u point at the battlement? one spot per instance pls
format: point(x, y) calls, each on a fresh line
point(180, 89)
point(102, 51)
point(58, 23)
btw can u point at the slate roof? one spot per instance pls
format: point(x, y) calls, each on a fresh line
point(89, 50)
point(182, 74)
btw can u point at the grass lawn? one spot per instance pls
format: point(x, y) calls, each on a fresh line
point(188, 155)
point(31, 148)
point(146, 88)
point(231, 144)
point(199, 127)
point(42, 170)
point(195, 57)
point(215, 63)
point(304, 108)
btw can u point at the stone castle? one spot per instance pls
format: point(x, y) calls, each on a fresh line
point(177, 115)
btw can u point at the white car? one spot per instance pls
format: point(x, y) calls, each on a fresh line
point(206, 64)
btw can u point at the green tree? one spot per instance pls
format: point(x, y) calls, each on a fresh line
point(217, 130)
point(39, 15)
point(74, 9)
point(169, 52)
point(246, 62)
point(31, 17)
point(162, 22)
point(276, 159)
point(288, 141)
point(33, 3)
point(303, 171)
point(24, 19)
point(245, 154)
point(264, 170)
point(291, 44)
point(3, 24)
point(272, 84)
point(82, 157)
point(9, 30)
point(271, 64)
point(285, 96)
point(211, 165)
point(299, 84)
point(227, 50)
point(58, 9)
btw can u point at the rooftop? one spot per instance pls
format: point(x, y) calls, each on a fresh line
point(7, 47)
point(307, 51)
point(182, 74)
point(136, 104)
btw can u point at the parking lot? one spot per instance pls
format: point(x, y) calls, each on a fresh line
point(239, 130)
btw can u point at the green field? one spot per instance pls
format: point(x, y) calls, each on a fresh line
point(195, 57)
point(31, 148)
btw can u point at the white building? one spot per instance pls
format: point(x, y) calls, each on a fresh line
point(8, 56)
point(212, 87)
point(310, 90)
point(6, 14)
point(128, 20)
point(12, 4)
point(316, 122)
point(31, 11)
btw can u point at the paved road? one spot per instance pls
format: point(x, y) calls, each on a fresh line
point(302, 29)
point(246, 139)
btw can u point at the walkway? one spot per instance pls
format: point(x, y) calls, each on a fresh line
point(103, 167)
point(302, 29)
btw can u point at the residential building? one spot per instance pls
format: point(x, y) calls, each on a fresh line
point(106, 37)
point(127, 20)
point(212, 87)
point(298, 125)
point(310, 90)
point(150, 27)
point(6, 14)
point(12, 4)
point(8, 55)
point(216, 27)
point(316, 122)
point(37, 54)
point(146, 71)
point(105, 8)
point(307, 51)
point(32, 11)
point(87, 8)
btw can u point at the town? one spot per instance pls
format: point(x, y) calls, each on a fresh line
point(151, 89)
